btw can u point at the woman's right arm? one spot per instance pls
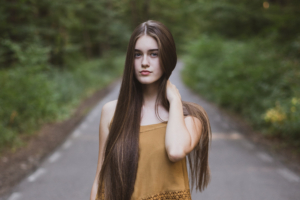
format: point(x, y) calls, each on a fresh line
point(103, 133)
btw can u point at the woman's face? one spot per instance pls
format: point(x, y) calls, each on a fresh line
point(146, 60)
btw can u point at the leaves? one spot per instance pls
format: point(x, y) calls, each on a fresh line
point(251, 77)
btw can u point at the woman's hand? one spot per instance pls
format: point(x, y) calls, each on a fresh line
point(172, 92)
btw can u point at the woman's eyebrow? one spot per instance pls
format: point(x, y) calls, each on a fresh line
point(148, 50)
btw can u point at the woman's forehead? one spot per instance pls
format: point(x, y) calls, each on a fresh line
point(146, 42)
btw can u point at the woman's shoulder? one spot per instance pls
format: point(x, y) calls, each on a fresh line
point(109, 110)
point(111, 105)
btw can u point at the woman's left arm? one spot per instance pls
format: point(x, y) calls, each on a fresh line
point(182, 134)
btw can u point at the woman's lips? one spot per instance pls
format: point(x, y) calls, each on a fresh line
point(145, 73)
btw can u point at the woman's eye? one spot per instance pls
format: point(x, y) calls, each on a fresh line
point(154, 54)
point(137, 54)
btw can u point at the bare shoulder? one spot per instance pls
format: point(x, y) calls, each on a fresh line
point(108, 111)
point(111, 105)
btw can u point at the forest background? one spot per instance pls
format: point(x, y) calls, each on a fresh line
point(242, 55)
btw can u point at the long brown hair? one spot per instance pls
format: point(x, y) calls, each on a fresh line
point(118, 172)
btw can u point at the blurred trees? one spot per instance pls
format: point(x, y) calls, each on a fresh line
point(44, 45)
point(243, 19)
point(244, 55)
point(76, 29)
point(70, 29)
point(44, 51)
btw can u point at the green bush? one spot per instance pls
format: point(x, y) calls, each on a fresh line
point(35, 94)
point(248, 77)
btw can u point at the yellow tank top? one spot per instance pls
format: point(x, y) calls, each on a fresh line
point(157, 176)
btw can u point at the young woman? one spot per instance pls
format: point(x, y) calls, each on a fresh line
point(141, 157)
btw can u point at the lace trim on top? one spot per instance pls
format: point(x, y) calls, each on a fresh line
point(174, 194)
point(170, 195)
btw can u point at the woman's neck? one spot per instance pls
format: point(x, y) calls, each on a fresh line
point(150, 94)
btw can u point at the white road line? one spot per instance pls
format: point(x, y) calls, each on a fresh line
point(216, 136)
point(265, 157)
point(15, 196)
point(67, 144)
point(76, 133)
point(83, 126)
point(54, 157)
point(291, 176)
point(36, 174)
point(225, 136)
point(235, 136)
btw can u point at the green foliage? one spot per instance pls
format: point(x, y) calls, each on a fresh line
point(231, 19)
point(52, 55)
point(66, 29)
point(248, 77)
point(24, 96)
point(55, 52)
point(283, 118)
point(30, 96)
point(27, 54)
point(243, 19)
point(250, 61)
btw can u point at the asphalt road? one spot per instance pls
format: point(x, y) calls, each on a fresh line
point(240, 170)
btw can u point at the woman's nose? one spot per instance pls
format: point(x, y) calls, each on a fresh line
point(145, 61)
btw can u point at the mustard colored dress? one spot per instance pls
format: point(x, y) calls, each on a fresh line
point(158, 177)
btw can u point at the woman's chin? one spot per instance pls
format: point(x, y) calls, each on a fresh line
point(147, 82)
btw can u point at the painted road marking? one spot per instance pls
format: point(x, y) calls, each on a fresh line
point(76, 134)
point(218, 136)
point(83, 126)
point(225, 136)
point(15, 196)
point(265, 157)
point(289, 175)
point(235, 136)
point(67, 144)
point(54, 157)
point(36, 174)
